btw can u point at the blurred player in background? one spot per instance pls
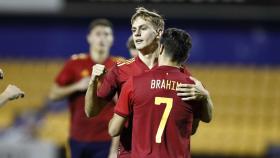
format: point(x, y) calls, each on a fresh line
point(162, 122)
point(131, 47)
point(12, 92)
point(147, 27)
point(88, 137)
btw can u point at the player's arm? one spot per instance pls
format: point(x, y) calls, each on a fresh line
point(59, 92)
point(199, 93)
point(122, 110)
point(65, 83)
point(94, 103)
point(12, 92)
point(195, 125)
point(113, 153)
point(116, 124)
point(206, 113)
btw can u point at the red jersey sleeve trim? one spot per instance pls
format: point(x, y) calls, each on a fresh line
point(120, 113)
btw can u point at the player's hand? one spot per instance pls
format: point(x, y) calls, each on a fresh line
point(82, 85)
point(13, 92)
point(192, 91)
point(113, 155)
point(97, 71)
point(1, 74)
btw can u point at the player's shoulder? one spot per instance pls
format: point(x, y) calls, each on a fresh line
point(126, 63)
point(76, 59)
point(79, 57)
point(184, 69)
point(117, 59)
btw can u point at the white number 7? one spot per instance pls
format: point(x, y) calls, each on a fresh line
point(162, 124)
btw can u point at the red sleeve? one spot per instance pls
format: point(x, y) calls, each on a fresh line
point(109, 84)
point(66, 75)
point(122, 107)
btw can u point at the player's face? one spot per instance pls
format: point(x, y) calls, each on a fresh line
point(101, 38)
point(144, 33)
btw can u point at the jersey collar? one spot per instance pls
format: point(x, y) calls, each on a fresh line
point(142, 64)
point(167, 68)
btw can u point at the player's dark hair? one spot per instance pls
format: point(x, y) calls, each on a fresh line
point(130, 43)
point(177, 44)
point(100, 22)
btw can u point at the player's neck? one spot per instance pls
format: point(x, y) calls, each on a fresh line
point(149, 54)
point(168, 63)
point(98, 57)
point(148, 59)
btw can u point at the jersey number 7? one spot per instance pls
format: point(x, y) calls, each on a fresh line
point(163, 121)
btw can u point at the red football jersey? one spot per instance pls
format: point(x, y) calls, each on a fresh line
point(112, 84)
point(162, 122)
point(83, 128)
point(118, 75)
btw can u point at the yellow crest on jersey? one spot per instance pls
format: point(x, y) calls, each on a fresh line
point(126, 62)
point(118, 59)
point(85, 73)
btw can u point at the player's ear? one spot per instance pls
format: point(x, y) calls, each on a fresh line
point(159, 33)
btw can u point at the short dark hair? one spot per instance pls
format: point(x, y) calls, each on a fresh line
point(130, 43)
point(100, 22)
point(177, 44)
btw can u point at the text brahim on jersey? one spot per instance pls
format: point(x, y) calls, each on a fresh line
point(164, 84)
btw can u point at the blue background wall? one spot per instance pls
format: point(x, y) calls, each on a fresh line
point(213, 41)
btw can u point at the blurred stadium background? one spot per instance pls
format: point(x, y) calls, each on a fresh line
point(235, 53)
